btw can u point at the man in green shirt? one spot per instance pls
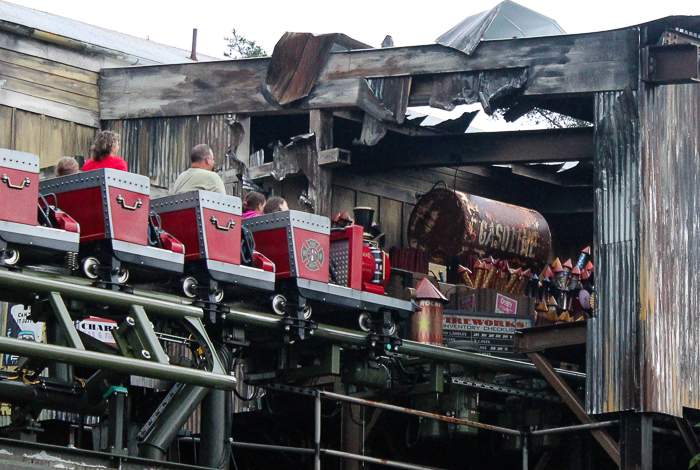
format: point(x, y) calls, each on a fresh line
point(201, 174)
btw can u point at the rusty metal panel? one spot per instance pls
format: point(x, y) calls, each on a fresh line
point(644, 345)
point(160, 147)
point(669, 250)
point(612, 355)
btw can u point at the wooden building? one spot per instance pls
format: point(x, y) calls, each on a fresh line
point(50, 70)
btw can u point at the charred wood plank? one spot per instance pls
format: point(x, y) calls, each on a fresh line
point(295, 64)
point(559, 65)
point(488, 87)
point(613, 50)
point(320, 178)
point(551, 145)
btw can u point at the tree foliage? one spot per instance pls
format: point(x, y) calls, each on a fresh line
point(240, 47)
point(549, 118)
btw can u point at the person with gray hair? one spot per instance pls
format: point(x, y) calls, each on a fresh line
point(201, 174)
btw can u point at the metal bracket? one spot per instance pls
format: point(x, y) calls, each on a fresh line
point(671, 64)
point(136, 337)
point(330, 365)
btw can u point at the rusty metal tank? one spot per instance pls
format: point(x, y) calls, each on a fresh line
point(446, 222)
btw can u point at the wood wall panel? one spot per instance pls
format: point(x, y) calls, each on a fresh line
point(55, 81)
point(47, 137)
point(42, 91)
point(27, 132)
point(6, 127)
point(391, 221)
point(343, 200)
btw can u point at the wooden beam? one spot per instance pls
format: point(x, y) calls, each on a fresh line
point(550, 145)
point(177, 94)
point(557, 65)
point(539, 174)
point(568, 60)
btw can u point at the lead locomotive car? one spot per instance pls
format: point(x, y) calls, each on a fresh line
point(332, 271)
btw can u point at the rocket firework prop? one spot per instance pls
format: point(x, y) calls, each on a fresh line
point(561, 291)
point(426, 325)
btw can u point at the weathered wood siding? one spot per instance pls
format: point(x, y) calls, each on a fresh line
point(49, 102)
point(42, 135)
point(160, 147)
point(48, 80)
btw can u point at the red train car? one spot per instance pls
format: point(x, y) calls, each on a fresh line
point(209, 225)
point(112, 208)
point(28, 229)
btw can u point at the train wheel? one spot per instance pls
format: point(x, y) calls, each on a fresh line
point(90, 267)
point(392, 328)
point(189, 287)
point(365, 321)
point(11, 257)
point(306, 312)
point(218, 295)
point(279, 304)
point(123, 276)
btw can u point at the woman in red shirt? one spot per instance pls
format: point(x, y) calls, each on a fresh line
point(104, 153)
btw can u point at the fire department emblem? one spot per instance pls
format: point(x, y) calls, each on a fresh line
point(312, 255)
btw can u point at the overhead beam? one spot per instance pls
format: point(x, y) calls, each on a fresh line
point(543, 176)
point(551, 145)
point(557, 65)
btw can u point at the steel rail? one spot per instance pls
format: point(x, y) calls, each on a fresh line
point(574, 428)
point(411, 348)
point(43, 284)
point(119, 364)
point(335, 453)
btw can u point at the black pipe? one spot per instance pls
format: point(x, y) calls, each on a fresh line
point(169, 422)
point(19, 393)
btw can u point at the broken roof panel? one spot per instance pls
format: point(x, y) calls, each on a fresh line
point(507, 20)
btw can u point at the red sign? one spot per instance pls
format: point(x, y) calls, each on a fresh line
point(506, 305)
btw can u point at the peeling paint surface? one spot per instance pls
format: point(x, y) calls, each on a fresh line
point(644, 345)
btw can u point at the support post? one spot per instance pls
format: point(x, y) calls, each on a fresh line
point(352, 438)
point(215, 446)
point(320, 178)
point(636, 439)
point(317, 431)
point(168, 419)
point(116, 397)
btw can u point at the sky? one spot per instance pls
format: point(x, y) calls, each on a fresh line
point(408, 22)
